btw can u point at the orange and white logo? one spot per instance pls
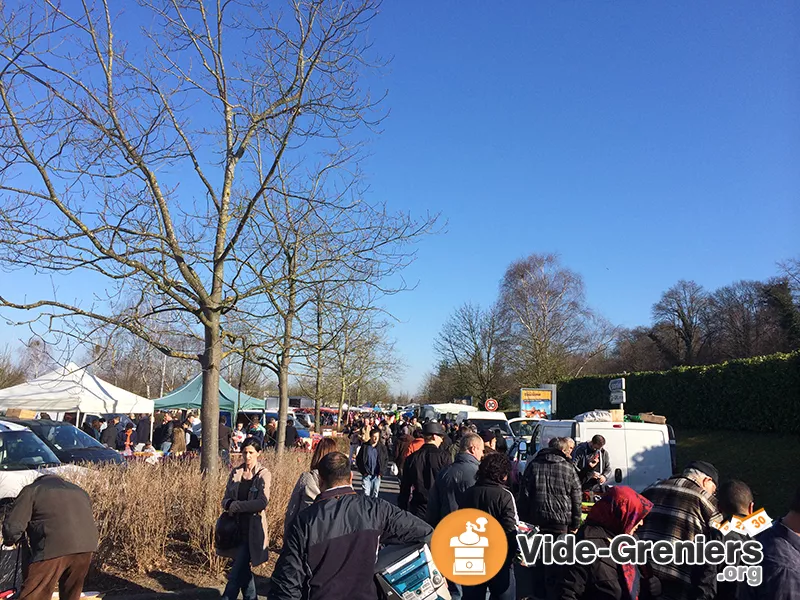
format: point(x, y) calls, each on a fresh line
point(469, 546)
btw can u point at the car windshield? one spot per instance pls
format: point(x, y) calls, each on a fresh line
point(67, 437)
point(523, 428)
point(21, 450)
point(489, 424)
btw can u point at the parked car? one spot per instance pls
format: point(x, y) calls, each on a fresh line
point(486, 420)
point(23, 458)
point(522, 427)
point(70, 444)
point(302, 431)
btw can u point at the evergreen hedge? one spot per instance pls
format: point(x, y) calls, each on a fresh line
point(753, 394)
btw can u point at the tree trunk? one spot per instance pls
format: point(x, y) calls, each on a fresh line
point(286, 359)
point(341, 401)
point(318, 381)
point(318, 402)
point(163, 376)
point(209, 413)
point(283, 404)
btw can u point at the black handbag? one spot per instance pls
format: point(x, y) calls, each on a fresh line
point(226, 532)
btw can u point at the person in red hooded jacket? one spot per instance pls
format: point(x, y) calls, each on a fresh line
point(620, 511)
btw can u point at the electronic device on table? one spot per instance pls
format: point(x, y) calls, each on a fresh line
point(407, 572)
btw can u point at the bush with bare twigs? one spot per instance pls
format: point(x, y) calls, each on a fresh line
point(153, 515)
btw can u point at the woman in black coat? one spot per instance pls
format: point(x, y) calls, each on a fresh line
point(619, 512)
point(491, 495)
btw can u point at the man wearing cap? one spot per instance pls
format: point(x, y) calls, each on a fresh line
point(489, 441)
point(684, 507)
point(421, 469)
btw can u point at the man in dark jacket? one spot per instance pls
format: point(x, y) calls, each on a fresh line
point(551, 491)
point(491, 495)
point(372, 458)
point(62, 534)
point(109, 435)
point(162, 439)
point(330, 550)
point(455, 479)
point(735, 499)
point(781, 565)
point(291, 434)
point(143, 426)
point(451, 484)
point(126, 439)
point(683, 508)
point(551, 500)
point(593, 463)
point(421, 469)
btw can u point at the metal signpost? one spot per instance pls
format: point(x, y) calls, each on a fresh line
point(617, 389)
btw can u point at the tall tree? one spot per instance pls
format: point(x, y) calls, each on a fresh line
point(741, 324)
point(681, 318)
point(148, 147)
point(471, 340)
point(547, 320)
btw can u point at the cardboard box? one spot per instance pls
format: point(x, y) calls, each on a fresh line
point(20, 413)
point(651, 418)
point(617, 415)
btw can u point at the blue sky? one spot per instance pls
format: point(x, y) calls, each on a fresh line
point(644, 142)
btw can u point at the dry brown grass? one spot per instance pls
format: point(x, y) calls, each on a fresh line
point(154, 516)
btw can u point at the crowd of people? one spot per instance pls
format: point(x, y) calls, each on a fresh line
point(174, 434)
point(331, 531)
point(443, 468)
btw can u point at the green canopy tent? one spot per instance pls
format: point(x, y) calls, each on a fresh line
point(190, 396)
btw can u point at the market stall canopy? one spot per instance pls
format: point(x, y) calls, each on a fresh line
point(72, 389)
point(190, 397)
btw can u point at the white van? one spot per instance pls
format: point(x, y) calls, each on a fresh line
point(484, 420)
point(640, 453)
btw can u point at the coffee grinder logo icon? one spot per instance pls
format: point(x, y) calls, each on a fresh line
point(470, 549)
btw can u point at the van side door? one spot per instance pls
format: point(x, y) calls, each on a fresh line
point(649, 455)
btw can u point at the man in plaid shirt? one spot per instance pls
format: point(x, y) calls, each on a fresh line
point(684, 507)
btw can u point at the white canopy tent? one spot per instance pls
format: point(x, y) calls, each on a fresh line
point(73, 389)
point(451, 408)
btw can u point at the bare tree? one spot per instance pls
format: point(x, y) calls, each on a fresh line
point(325, 238)
point(547, 320)
point(681, 322)
point(471, 340)
point(37, 358)
point(146, 158)
point(790, 272)
point(741, 322)
point(11, 373)
point(361, 353)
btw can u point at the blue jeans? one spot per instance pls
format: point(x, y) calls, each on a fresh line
point(353, 453)
point(165, 447)
point(371, 484)
point(241, 577)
